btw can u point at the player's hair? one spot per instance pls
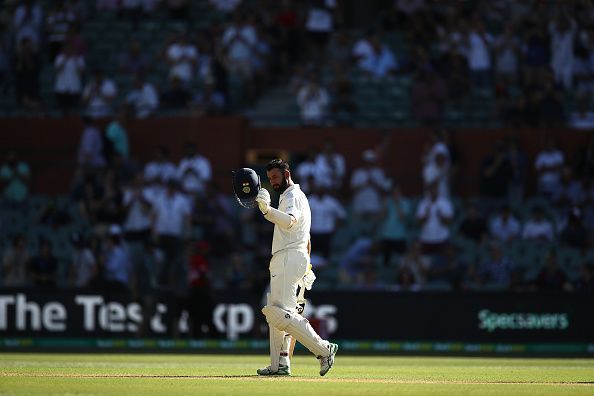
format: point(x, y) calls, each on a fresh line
point(279, 164)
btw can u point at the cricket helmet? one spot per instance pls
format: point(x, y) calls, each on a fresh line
point(246, 185)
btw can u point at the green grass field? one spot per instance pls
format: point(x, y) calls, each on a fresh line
point(140, 374)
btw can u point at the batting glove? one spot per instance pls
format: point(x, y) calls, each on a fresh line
point(263, 200)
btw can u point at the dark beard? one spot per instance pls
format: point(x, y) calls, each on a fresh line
point(283, 186)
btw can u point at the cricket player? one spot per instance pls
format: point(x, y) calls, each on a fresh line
point(288, 269)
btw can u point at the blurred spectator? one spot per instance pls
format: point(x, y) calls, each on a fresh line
point(339, 49)
point(362, 49)
point(194, 171)
point(201, 304)
point(69, 68)
point(437, 170)
point(326, 212)
point(182, 57)
point(209, 101)
point(368, 184)
point(239, 43)
point(380, 62)
point(313, 100)
point(133, 61)
point(76, 40)
point(116, 136)
point(306, 172)
point(170, 225)
point(551, 102)
point(83, 269)
point(552, 277)
point(115, 262)
point(137, 205)
point(160, 168)
point(236, 276)
point(330, 167)
point(414, 265)
point(143, 98)
point(54, 215)
point(569, 192)
point(44, 267)
point(498, 269)
point(474, 226)
point(359, 256)
point(27, 69)
point(14, 263)
point(449, 266)
point(458, 80)
point(176, 96)
point(535, 46)
point(548, 164)
point(288, 26)
point(585, 282)
point(28, 22)
point(393, 232)
point(518, 161)
point(583, 64)
point(538, 228)
point(319, 24)
point(583, 117)
point(343, 105)
point(15, 179)
point(504, 227)
point(434, 213)
point(507, 48)
point(562, 30)
point(496, 173)
point(226, 6)
point(574, 234)
point(90, 148)
point(479, 56)
point(56, 25)
point(99, 95)
point(428, 96)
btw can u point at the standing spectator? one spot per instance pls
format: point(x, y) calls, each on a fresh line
point(362, 49)
point(319, 24)
point(535, 48)
point(117, 137)
point(326, 211)
point(479, 56)
point(496, 172)
point(504, 227)
point(134, 61)
point(428, 95)
point(90, 149)
point(506, 48)
point(99, 95)
point(83, 269)
point(57, 22)
point(380, 63)
point(239, 44)
point(434, 214)
point(143, 98)
point(498, 269)
point(330, 167)
point(69, 68)
point(313, 100)
point(562, 31)
point(393, 231)
point(44, 266)
point(177, 96)
point(438, 171)
point(538, 228)
point(182, 57)
point(474, 226)
point(306, 173)
point(194, 171)
point(27, 69)
point(368, 183)
point(116, 265)
point(14, 263)
point(170, 225)
point(201, 304)
point(548, 164)
point(28, 22)
point(552, 277)
point(161, 168)
point(15, 180)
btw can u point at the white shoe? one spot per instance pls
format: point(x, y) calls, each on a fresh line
point(282, 370)
point(326, 362)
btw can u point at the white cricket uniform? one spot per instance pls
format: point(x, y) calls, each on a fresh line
point(289, 249)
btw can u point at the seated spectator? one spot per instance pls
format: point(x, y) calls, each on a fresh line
point(161, 168)
point(306, 172)
point(380, 62)
point(415, 264)
point(99, 95)
point(552, 277)
point(313, 100)
point(117, 137)
point(428, 95)
point(326, 213)
point(330, 167)
point(28, 22)
point(182, 57)
point(57, 21)
point(548, 164)
point(393, 232)
point(358, 257)
point(27, 70)
point(570, 191)
point(176, 97)
point(143, 98)
point(44, 267)
point(498, 269)
point(538, 228)
point(14, 263)
point(504, 227)
point(474, 226)
point(194, 171)
point(115, 263)
point(15, 178)
point(209, 101)
point(83, 269)
point(583, 117)
point(368, 184)
point(69, 68)
point(434, 213)
point(90, 149)
point(448, 266)
point(134, 61)
point(574, 234)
